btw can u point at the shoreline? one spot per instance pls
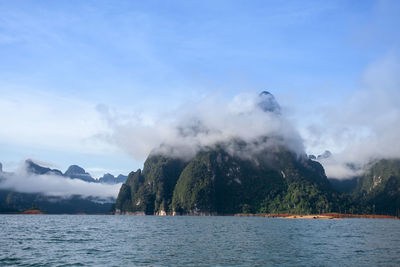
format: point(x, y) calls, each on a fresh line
point(319, 216)
point(323, 216)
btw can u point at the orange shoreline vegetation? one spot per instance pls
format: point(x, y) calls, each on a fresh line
point(318, 216)
point(273, 215)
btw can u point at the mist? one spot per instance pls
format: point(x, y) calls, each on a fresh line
point(54, 185)
point(211, 120)
point(365, 127)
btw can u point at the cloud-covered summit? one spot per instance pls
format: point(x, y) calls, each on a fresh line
point(210, 121)
point(268, 102)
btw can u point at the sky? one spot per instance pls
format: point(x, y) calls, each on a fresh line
point(94, 83)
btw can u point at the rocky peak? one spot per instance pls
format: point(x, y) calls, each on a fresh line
point(312, 157)
point(74, 169)
point(325, 155)
point(121, 178)
point(34, 168)
point(76, 172)
point(268, 102)
point(107, 178)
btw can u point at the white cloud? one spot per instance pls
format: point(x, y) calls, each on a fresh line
point(46, 120)
point(53, 185)
point(206, 122)
point(366, 126)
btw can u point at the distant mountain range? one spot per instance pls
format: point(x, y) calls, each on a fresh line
point(74, 172)
point(12, 201)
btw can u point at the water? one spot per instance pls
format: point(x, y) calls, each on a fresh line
point(74, 240)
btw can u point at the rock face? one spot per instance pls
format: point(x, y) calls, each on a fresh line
point(150, 191)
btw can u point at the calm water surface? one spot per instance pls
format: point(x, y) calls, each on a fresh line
point(68, 240)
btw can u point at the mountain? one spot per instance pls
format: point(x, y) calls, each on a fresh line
point(151, 191)
point(76, 172)
point(34, 168)
point(110, 179)
point(107, 178)
point(268, 103)
point(231, 177)
point(215, 182)
point(73, 172)
point(236, 176)
point(271, 182)
point(379, 188)
point(121, 179)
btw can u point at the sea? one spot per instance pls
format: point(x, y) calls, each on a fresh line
point(107, 240)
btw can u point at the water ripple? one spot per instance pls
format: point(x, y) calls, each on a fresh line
point(62, 240)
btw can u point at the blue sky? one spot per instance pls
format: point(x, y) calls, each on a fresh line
point(60, 60)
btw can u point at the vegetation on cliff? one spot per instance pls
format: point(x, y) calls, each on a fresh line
point(378, 190)
point(150, 191)
point(217, 182)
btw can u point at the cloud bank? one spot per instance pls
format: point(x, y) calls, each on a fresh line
point(53, 185)
point(205, 123)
